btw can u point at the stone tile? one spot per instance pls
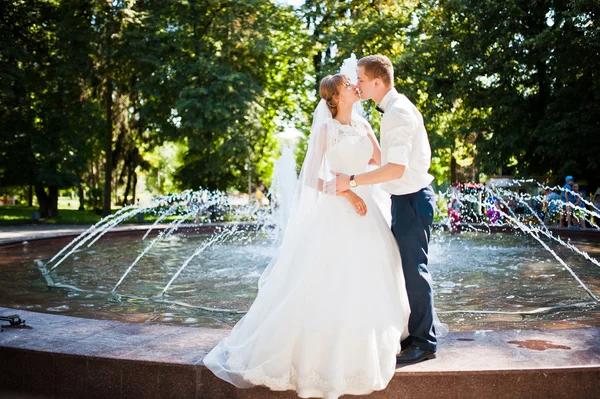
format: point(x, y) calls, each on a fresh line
point(182, 356)
point(177, 382)
point(113, 343)
point(103, 379)
point(46, 344)
point(182, 349)
point(44, 321)
point(518, 385)
point(586, 381)
point(181, 346)
point(151, 361)
point(419, 386)
point(212, 387)
point(179, 339)
point(102, 349)
point(123, 335)
point(476, 385)
point(9, 336)
point(70, 376)
point(198, 380)
point(265, 393)
point(149, 329)
point(209, 338)
point(139, 380)
point(5, 394)
point(78, 331)
point(53, 332)
point(41, 372)
point(13, 366)
point(574, 383)
point(561, 383)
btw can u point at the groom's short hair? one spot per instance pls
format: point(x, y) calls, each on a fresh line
point(378, 66)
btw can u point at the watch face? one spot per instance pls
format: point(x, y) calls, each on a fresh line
point(352, 183)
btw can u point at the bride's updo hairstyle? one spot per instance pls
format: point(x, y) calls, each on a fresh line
point(329, 89)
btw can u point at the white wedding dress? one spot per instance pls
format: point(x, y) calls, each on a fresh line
point(331, 311)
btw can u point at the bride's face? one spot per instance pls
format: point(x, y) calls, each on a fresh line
point(348, 93)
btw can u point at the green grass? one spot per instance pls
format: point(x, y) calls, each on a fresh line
point(13, 215)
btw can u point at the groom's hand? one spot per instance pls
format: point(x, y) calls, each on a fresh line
point(342, 182)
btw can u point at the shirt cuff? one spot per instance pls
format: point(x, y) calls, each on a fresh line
point(399, 154)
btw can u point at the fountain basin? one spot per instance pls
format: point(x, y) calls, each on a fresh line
point(482, 281)
point(485, 355)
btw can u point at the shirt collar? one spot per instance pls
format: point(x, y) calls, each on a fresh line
point(387, 98)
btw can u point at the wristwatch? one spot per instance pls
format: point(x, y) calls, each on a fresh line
point(352, 182)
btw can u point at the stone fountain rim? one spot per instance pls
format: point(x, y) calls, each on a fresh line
point(75, 231)
point(456, 368)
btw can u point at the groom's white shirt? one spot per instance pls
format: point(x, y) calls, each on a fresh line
point(404, 141)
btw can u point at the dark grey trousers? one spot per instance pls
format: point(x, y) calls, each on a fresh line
point(412, 218)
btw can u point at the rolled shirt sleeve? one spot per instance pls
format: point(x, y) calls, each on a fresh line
point(400, 128)
point(404, 141)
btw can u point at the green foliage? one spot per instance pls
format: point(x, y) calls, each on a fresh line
point(164, 162)
point(504, 87)
point(90, 90)
point(523, 76)
point(89, 87)
point(41, 109)
point(247, 71)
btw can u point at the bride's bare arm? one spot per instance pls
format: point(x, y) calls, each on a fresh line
point(312, 180)
point(376, 158)
point(355, 200)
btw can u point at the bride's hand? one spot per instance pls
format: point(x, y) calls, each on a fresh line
point(357, 202)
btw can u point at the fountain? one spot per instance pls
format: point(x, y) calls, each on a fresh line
point(527, 288)
point(283, 190)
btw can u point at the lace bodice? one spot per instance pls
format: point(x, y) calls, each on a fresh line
point(352, 149)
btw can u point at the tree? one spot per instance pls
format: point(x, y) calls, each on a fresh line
point(242, 66)
point(522, 72)
point(41, 107)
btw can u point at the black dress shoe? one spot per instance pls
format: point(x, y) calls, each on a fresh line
point(406, 343)
point(414, 354)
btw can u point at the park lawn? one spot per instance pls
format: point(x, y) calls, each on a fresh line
point(11, 215)
point(14, 215)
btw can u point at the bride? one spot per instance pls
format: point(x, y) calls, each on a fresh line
point(331, 308)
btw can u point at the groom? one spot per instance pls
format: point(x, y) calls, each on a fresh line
point(405, 160)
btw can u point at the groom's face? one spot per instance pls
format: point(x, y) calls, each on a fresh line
point(365, 84)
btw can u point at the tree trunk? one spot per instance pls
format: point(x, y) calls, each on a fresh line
point(81, 197)
point(124, 170)
point(94, 170)
point(108, 143)
point(452, 169)
point(134, 186)
point(53, 202)
point(128, 185)
point(42, 198)
point(30, 196)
